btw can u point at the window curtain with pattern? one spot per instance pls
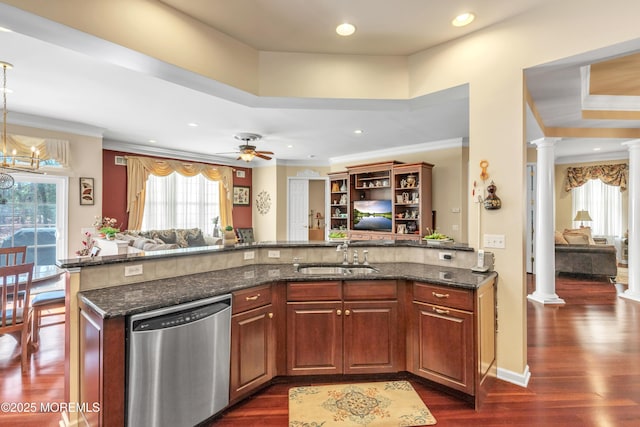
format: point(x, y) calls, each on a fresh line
point(139, 169)
point(615, 175)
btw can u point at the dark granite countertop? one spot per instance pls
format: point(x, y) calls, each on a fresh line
point(140, 297)
point(136, 257)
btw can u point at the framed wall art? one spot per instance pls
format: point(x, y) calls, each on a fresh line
point(241, 195)
point(87, 195)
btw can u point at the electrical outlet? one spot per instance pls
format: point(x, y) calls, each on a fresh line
point(445, 256)
point(274, 254)
point(494, 241)
point(249, 255)
point(133, 270)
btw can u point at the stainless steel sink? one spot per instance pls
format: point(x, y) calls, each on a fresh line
point(336, 269)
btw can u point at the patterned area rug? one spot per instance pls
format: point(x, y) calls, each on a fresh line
point(393, 403)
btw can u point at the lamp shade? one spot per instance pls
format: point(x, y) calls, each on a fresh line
point(582, 216)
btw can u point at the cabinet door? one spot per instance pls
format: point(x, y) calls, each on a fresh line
point(370, 337)
point(314, 338)
point(252, 350)
point(443, 346)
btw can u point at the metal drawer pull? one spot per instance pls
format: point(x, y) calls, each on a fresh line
point(347, 312)
point(253, 298)
point(339, 312)
point(439, 311)
point(437, 295)
point(270, 315)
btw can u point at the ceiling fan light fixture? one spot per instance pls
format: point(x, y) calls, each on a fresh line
point(345, 29)
point(463, 19)
point(247, 157)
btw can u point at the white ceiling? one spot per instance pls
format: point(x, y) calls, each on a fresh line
point(67, 80)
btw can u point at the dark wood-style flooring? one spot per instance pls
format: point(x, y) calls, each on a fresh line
point(584, 359)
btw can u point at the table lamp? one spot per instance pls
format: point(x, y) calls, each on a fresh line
point(582, 216)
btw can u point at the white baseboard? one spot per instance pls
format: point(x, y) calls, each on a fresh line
point(521, 379)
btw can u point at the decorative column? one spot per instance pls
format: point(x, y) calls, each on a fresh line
point(545, 261)
point(633, 292)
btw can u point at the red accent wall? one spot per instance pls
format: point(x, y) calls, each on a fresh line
point(114, 191)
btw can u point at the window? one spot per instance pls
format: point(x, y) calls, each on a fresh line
point(32, 214)
point(176, 201)
point(604, 204)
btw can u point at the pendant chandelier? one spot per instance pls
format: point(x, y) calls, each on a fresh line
point(13, 161)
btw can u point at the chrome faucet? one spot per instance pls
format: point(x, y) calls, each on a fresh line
point(344, 247)
point(355, 257)
point(365, 261)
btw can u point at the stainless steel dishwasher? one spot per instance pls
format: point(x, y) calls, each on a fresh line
point(178, 363)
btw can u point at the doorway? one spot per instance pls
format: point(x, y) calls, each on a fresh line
point(307, 208)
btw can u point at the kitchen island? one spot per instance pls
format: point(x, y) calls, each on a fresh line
point(412, 293)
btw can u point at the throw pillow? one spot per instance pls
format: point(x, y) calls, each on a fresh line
point(576, 238)
point(583, 230)
point(195, 238)
point(167, 236)
point(559, 238)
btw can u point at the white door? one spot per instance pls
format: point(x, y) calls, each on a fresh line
point(298, 209)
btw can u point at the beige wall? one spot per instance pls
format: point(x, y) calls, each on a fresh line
point(449, 187)
point(564, 212)
point(490, 60)
point(85, 161)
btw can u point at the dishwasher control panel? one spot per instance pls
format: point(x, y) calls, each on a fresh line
point(179, 318)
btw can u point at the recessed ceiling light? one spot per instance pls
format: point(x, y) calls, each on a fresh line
point(5, 30)
point(357, 131)
point(152, 141)
point(289, 146)
point(345, 29)
point(463, 19)
point(193, 125)
point(597, 149)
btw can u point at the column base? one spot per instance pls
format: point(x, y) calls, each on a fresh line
point(633, 296)
point(549, 299)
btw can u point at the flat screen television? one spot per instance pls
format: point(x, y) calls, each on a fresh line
point(372, 215)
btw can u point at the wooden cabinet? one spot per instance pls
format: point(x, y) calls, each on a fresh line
point(452, 336)
point(388, 200)
point(412, 199)
point(342, 328)
point(339, 186)
point(102, 367)
point(253, 347)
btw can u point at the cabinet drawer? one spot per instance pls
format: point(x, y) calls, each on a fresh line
point(443, 295)
point(370, 290)
point(248, 299)
point(314, 291)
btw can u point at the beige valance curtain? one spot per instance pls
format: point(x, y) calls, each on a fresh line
point(616, 175)
point(55, 149)
point(139, 169)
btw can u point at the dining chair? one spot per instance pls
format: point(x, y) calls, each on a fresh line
point(13, 255)
point(16, 319)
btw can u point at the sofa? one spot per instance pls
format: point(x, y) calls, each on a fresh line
point(577, 253)
point(156, 240)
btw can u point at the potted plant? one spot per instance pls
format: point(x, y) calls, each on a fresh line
point(229, 236)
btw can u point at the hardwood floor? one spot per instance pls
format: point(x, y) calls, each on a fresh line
point(584, 359)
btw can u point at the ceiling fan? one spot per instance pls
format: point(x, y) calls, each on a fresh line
point(247, 151)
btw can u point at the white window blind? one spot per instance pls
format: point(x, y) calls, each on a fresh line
point(604, 204)
point(176, 201)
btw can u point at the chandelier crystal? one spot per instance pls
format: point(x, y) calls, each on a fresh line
point(13, 161)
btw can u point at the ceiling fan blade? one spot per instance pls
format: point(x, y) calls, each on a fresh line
point(265, 152)
point(262, 156)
